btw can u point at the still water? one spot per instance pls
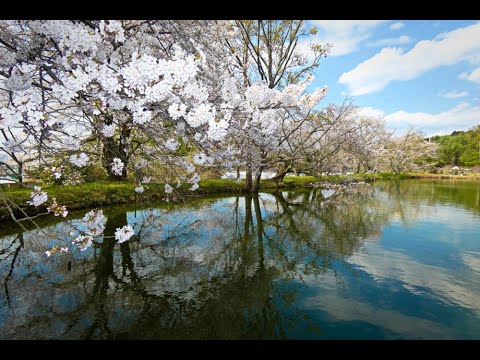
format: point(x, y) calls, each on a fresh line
point(393, 260)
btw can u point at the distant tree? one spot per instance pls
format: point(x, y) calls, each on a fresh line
point(406, 153)
point(461, 148)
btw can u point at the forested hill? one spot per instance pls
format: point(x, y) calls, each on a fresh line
point(460, 147)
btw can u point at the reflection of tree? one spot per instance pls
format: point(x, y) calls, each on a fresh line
point(320, 229)
point(406, 193)
point(14, 255)
point(103, 272)
point(225, 271)
point(146, 288)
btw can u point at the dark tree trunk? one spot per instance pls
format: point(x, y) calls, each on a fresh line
point(258, 176)
point(282, 172)
point(110, 152)
point(20, 172)
point(115, 149)
point(248, 179)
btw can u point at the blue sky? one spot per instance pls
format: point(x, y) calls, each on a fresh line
point(420, 73)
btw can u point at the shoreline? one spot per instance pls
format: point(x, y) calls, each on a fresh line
point(99, 194)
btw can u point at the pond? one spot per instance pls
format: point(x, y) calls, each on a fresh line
point(395, 260)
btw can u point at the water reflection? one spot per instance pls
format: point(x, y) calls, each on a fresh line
point(303, 264)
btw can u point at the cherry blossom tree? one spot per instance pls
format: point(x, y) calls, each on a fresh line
point(405, 153)
point(131, 93)
point(275, 74)
point(317, 141)
point(123, 85)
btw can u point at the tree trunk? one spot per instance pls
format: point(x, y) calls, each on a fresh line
point(455, 161)
point(358, 168)
point(282, 172)
point(258, 176)
point(248, 179)
point(114, 148)
point(110, 152)
point(20, 172)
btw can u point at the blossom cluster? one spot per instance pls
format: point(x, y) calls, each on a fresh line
point(79, 160)
point(38, 197)
point(57, 210)
point(117, 166)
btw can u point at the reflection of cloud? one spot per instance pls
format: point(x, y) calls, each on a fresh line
point(347, 309)
point(341, 308)
point(436, 217)
point(472, 259)
point(7, 247)
point(386, 264)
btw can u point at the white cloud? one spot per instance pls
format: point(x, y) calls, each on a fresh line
point(392, 64)
point(461, 117)
point(404, 39)
point(454, 94)
point(344, 35)
point(368, 111)
point(474, 76)
point(397, 25)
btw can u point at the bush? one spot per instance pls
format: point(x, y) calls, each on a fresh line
point(95, 172)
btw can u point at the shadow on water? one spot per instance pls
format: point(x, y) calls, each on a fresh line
point(229, 268)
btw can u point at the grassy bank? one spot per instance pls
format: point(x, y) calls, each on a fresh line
point(441, 176)
point(99, 194)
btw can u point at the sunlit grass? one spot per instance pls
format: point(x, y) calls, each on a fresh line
point(103, 193)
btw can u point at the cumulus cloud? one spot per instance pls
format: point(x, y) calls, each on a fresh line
point(404, 39)
point(368, 111)
point(454, 94)
point(392, 63)
point(464, 116)
point(474, 76)
point(397, 25)
point(344, 35)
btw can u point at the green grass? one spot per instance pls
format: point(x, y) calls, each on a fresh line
point(442, 176)
point(102, 193)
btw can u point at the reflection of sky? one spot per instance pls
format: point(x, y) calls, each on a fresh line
point(454, 287)
point(420, 279)
point(391, 296)
point(341, 307)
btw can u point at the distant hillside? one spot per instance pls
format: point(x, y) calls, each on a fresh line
point(460, 148)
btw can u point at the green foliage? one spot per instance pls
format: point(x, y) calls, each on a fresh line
point(460, 148)
point(95, 172)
